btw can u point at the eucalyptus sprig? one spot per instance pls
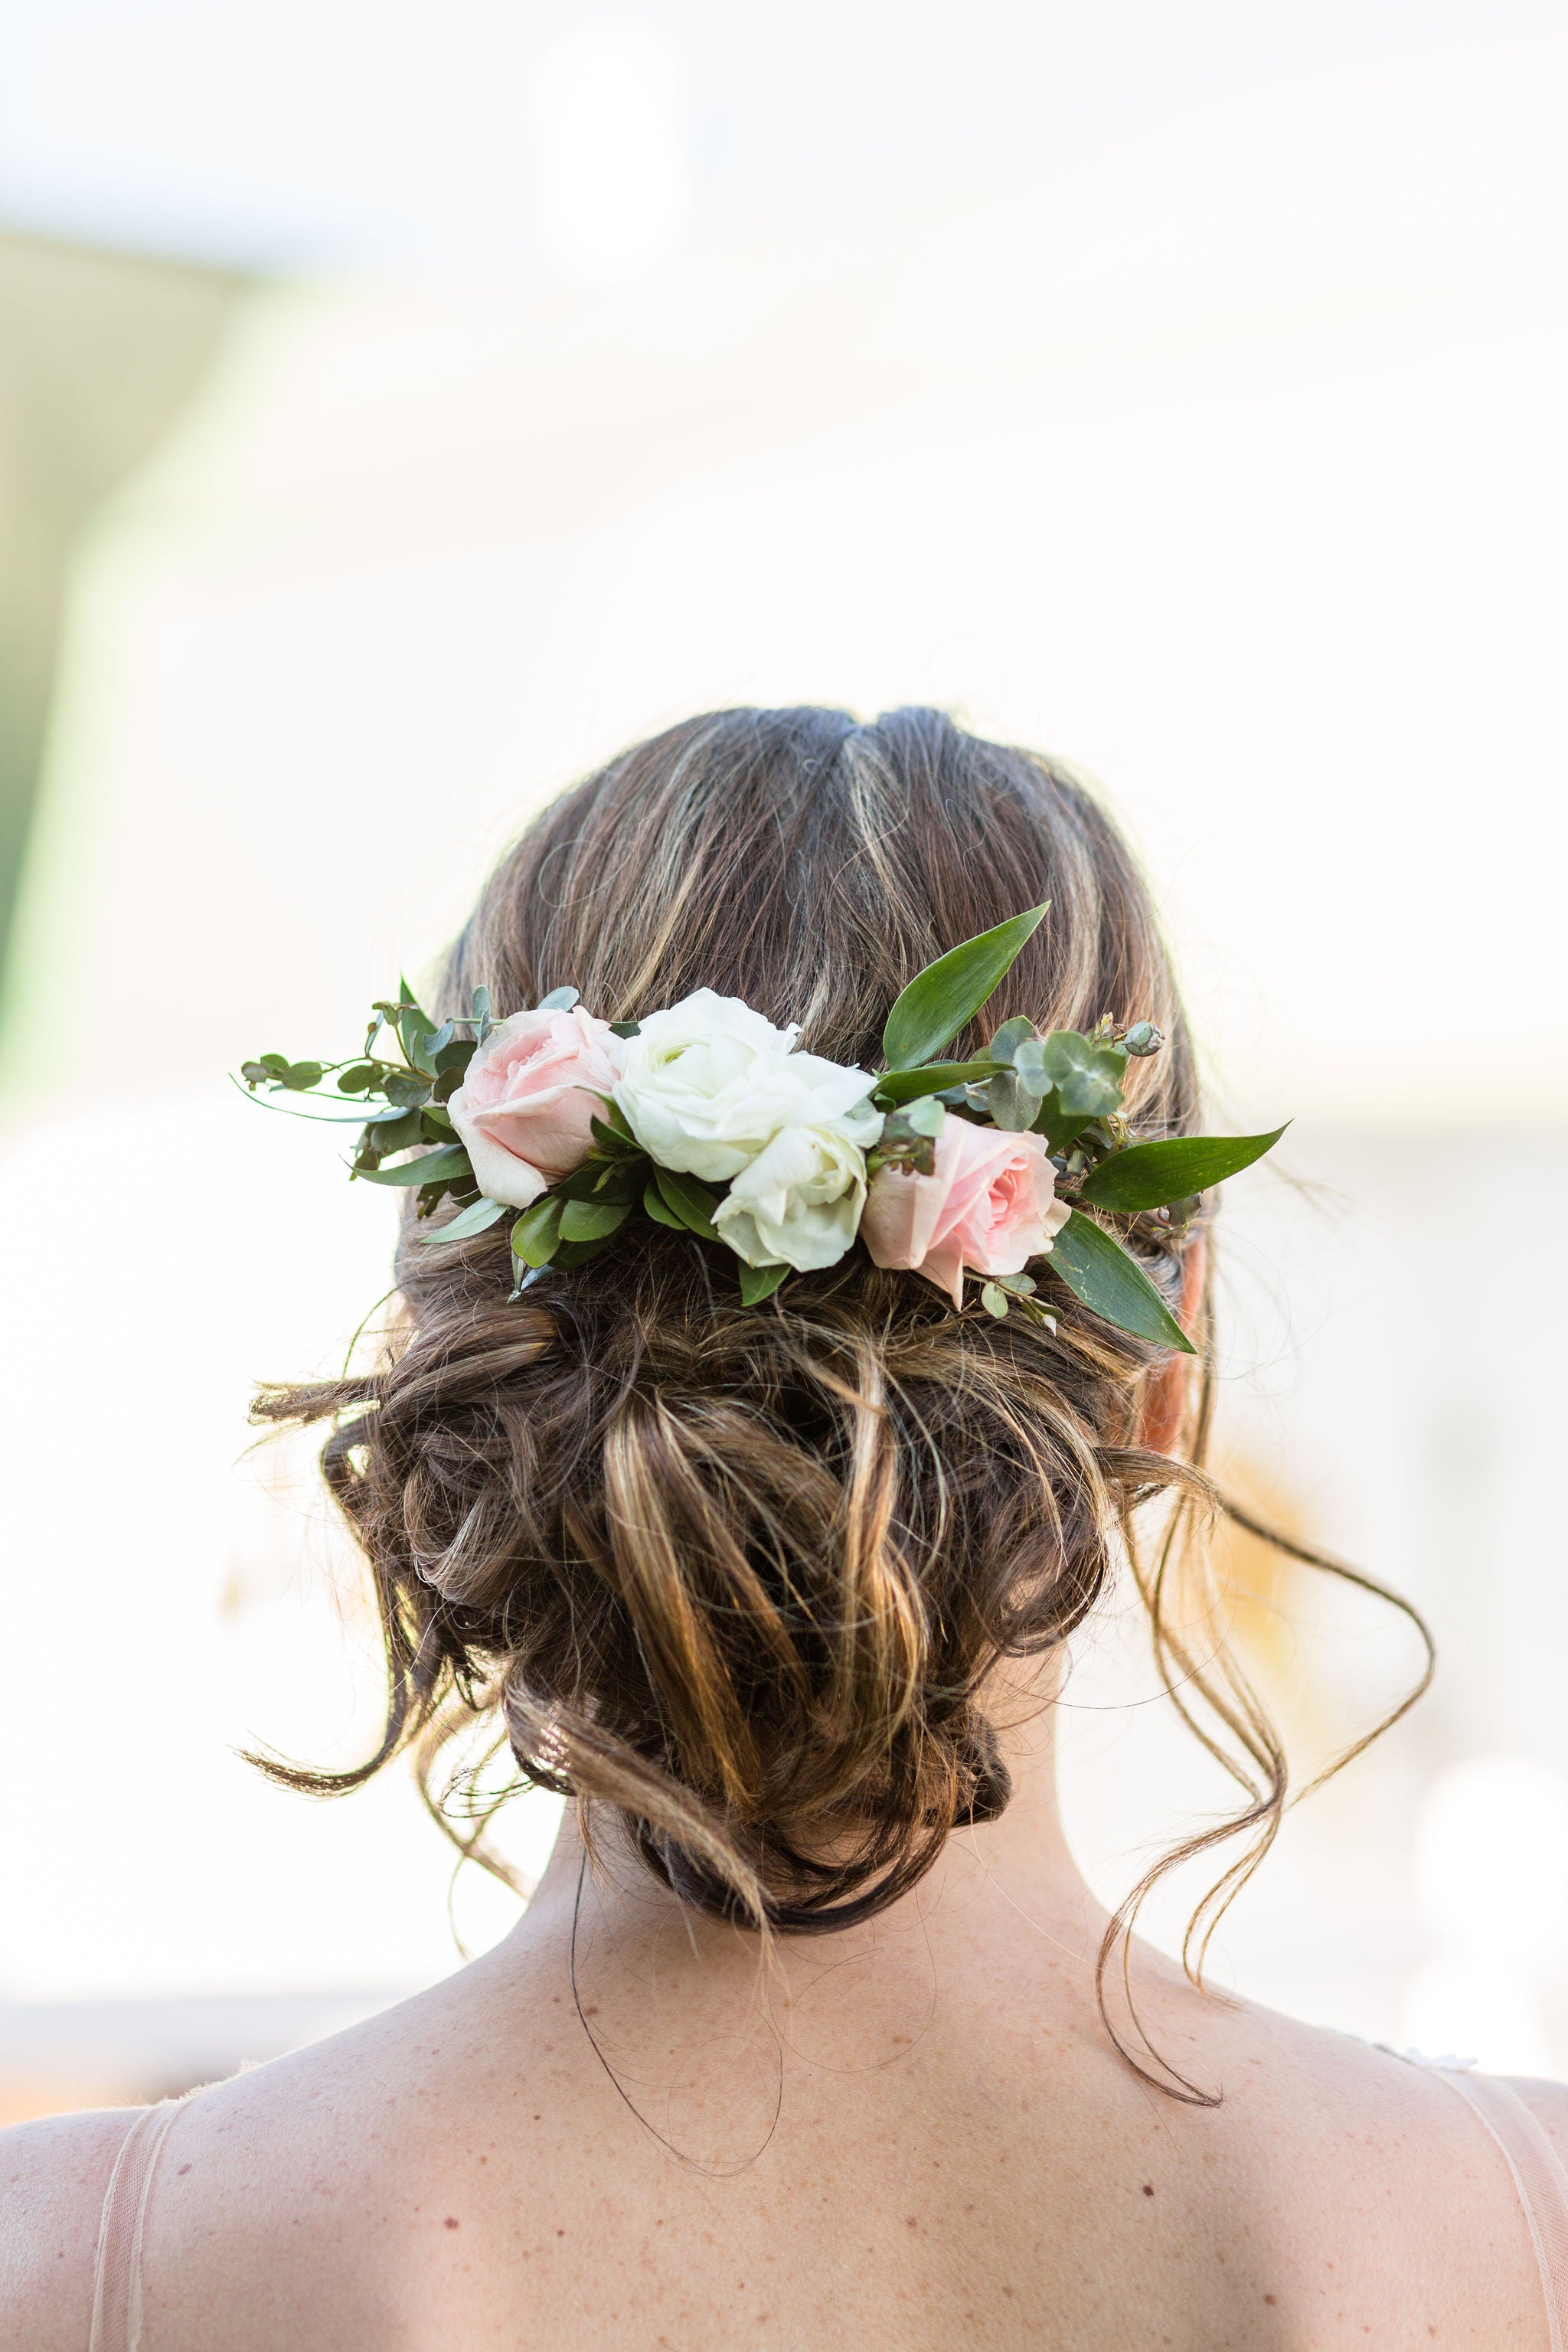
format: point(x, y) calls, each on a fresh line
point(412, 1091)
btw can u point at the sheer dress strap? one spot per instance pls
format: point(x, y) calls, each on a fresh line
point(1538, 2176)
point(117, 2273)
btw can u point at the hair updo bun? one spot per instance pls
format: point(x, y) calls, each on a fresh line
point(742, 1574)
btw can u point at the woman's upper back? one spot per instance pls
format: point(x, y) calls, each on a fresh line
point(932, 2155)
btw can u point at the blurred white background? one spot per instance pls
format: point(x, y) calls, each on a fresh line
point(1181, 392)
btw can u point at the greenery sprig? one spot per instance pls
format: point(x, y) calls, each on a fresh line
point(1063, 1086)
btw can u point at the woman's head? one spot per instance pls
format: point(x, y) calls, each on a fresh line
point(744, 1577)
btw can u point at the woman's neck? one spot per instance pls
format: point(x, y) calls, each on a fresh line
point(1020, 1863)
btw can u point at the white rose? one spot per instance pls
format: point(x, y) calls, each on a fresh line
point(707, 1084)
point(801, 1198)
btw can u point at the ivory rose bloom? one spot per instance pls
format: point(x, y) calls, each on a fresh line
point(801, 1198)
point(708, 1084)
point(529, 1098)
point(988, 1207)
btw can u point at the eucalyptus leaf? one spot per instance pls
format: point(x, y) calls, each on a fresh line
point(480, 1014)
point(926, 1116)
point(450, 1163)
point(276, 1062)
point(1010, 1037)
point(994, 1299)
point(592, 1221)
point(759, 1282)
point(393, 1131)
point(938, 1001)
point(626, 1029)
point(463, 1227)
point(690, 1201)
point(1155, 1175)
point(254, 1074)
point(537, 1231)
point(1098, 1270)
point(560, 1000)
point(358, 1079)
point(1086, 1077)
point(299, 1076)
point(1011, 1104)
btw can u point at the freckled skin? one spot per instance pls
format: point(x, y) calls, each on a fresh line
point(916, 2135)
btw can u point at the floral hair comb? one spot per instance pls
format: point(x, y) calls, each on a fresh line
point(711, 1120)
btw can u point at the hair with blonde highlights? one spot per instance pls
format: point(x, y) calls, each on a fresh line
point(741, 1576)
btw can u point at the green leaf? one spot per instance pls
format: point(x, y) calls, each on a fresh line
point(938, 1001)
point(1012, 1106)
point(256, 1074)
point(653, 1202)
point(537, 1231)
point(691, 1202)
point(1086, 1078)
point(300, 1076)
point(408, 1087)
point(604, 1180)
point(571, 1253)
point(1096, 1269)
point(358, 1079)
point(464, 1227)
point(994, 1299)
point(626, 1029)
point(1010, 1037)
point(560, 1000)
point(449, 1163)
point(399, 1132)
point(897, 1087)
point(480, 1014)
point(412, 1025)
point(592, 1221)
point(759, 1282)
point(1152, 1175)
point(615, 1122)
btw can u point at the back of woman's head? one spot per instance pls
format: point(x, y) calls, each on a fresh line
point(744, 1576)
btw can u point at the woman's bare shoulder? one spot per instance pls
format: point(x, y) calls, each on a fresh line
point(53, 2175)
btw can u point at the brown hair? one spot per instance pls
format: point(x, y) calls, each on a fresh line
point(743, 1575)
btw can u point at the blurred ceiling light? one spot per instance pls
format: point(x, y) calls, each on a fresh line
point(607, 111)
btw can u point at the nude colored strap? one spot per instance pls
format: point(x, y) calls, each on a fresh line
point(117, 2275)
point(1537, 2175)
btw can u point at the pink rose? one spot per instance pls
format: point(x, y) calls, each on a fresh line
point(988, 1207)
point(529, 1098)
